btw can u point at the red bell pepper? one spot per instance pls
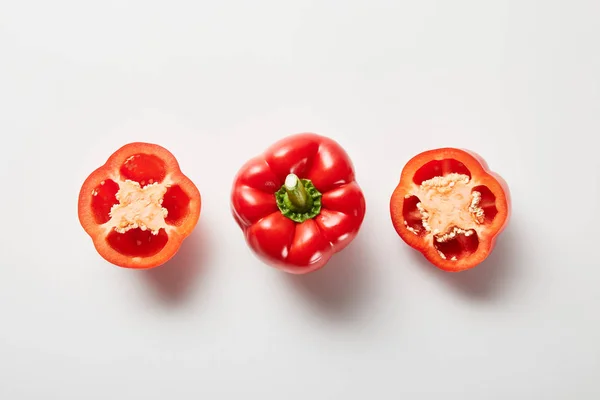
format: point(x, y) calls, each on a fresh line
point(298, 203)
point(449, 206)
point(138, 207)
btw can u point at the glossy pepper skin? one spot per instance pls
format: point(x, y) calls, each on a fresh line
point(298, 203)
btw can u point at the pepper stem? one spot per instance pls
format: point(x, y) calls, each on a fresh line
point(299, 199)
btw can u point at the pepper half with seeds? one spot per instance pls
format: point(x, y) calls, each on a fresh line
point(449, 206)
point(138, 207)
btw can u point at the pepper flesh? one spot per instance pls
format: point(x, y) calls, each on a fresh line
point(298, 203)
point(138, 207)
point(449, 206)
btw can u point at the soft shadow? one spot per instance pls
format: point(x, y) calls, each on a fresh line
point(491, 279)
point(173, 281)
point(340, 287)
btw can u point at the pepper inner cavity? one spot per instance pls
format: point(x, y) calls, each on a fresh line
point(447, 207)
point(139, 207)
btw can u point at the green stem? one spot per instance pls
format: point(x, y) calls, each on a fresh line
point(298, 199)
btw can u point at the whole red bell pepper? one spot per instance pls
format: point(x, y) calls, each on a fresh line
point(298, 203)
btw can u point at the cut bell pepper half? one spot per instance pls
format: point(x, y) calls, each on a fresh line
point(138, 207)
point(298, 203)
point(450, 207)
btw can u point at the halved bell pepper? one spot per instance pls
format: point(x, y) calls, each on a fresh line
point(449, 206)
point(298, 203)
point(138, 207)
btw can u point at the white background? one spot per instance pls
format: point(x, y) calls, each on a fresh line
point(216, 83)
